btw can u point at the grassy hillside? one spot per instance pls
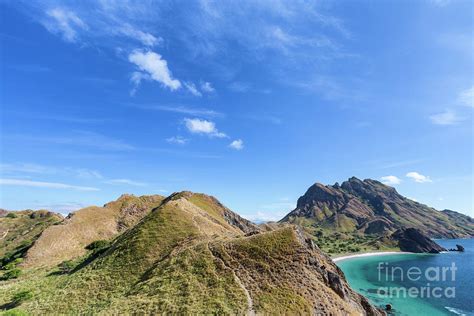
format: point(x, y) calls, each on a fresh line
point(359, 216)
point(190, 255)
point(68, 240)
point(19, 230)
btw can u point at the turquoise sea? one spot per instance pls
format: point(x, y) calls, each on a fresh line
point(417, 284)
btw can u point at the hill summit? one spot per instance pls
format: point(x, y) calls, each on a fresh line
point(189, 255)
point(366, 210)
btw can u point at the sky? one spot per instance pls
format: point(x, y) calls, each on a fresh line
point(249, 101)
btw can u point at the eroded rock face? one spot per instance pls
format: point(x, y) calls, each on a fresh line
point(371, 207)
point(413, 240)
point(291, 262)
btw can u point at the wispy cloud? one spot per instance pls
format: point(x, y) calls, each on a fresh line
point(440, 3)
point(448, 117)
point(25, 168)
point(198, 126)
point(390, 180)
point(41, 184)
point(63, 208)
point(191, 87)
point(466, 97)
point(177, 140)
point(237, 144)
point(65, 22)
point(32, 168)
point(145, 38)
point(394, 164)
point(262, 30)
point(30, 68)
point(207, 87)
point(417, 177)
point(261, 217)
point(80, 138)
point(125, 182)
point(181, 109)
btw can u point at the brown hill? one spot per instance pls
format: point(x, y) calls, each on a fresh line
point(370, 207)
point(191, 255)
point(68, 239)
point(20, 229)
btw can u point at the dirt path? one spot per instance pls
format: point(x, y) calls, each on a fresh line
point(250, 310)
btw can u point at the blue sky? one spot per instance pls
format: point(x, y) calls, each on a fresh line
point(250, 101)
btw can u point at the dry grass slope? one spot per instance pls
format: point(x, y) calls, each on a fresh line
point(69, 239)
point(191, 256)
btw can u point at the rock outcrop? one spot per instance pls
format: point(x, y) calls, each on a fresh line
point(370, 207)
point(412, 240)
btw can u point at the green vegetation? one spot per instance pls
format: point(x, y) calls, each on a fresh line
point(337, 243)
point(98, 245)
point(19, 230)
point(21, 297)
point(11, 274)
point(184, 257)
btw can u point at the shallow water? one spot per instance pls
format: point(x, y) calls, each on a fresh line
point(440, 292)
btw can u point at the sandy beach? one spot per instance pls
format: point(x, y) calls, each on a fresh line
point(369, 254)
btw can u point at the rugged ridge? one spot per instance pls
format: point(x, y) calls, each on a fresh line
point(68, 240)
point(192, 255)
point(371, 207)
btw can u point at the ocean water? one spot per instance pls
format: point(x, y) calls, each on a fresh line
point(417, 284)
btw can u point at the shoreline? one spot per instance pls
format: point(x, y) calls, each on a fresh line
point(370, 254)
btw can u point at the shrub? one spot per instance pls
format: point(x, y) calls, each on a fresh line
point(12, 264)
point(15, 312)
point(98, 244)
point(21, 297)
point(66, 266)
point(11, 274)
point(11, 215)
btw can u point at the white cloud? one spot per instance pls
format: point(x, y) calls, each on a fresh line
point(239, 87)
point(390, 180)
point(125, 182)
point(447, 117)
point(261, 217)
point(146, 39)
point(413, 199)
point(440, 3)
point(81, 138)
point(31, 168)
point(64, 22)
point(152, 67)
point(192, 88)
point(86, 173)
point(415, 176)
point(207, 87)
point(181, 109)
point(177, 140)
point(40, 184)
point(25, 168)
point(237, 144)
point(63, 208)
point(466, 97)
point(136, 78)
point(198, 126)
